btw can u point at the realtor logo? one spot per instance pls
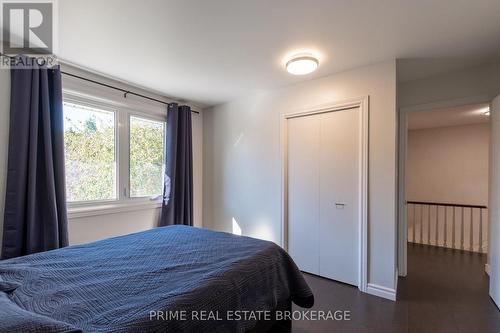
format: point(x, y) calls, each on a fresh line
point(27, 27)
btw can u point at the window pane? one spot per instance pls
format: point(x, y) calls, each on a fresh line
point(89, 140)
point(146, 157)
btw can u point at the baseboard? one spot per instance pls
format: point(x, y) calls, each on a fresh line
point(380, 291)
point(487, 269)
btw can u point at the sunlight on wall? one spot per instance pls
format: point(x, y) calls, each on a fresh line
point(263, 231)
point(238, 140)
point(236, 228)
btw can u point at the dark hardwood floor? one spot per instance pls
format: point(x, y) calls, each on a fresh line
point(446, 291)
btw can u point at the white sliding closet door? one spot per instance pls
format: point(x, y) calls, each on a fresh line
point(339, 195)
point(303, 194)
point(324, 193)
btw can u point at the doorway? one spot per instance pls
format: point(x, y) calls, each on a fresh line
point(447, 177)
point(444, 198)
point(444, 180)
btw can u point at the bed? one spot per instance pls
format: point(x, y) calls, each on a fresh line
point(169, 279)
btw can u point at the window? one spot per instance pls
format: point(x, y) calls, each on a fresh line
point(146, 157)
point(113, 154)
point(90, 152)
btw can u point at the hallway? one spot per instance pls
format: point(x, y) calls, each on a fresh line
point(446, 291)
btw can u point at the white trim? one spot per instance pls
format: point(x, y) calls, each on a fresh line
point(487, 269)
point(402, 228)
point(104, 209)
point(284, 182)
point(449, 103)
point(381, 291)
point(402, 139)
point(363, 104)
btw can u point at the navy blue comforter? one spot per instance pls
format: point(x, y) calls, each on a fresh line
point(113, 285)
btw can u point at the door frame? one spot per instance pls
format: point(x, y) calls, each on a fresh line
point(363, 104)
point(402, 156)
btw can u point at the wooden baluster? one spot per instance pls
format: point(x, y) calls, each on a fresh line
point(414, 222)
point(421, 224)
point(471, 232)
point(462, 231)
point(453, 231)
point(449, 239)
point(445, 225)
point(437, 226)
point(480, 230)
point(408, 222)
point(428, 224)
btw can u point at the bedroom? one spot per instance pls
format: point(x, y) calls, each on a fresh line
point(204, 93)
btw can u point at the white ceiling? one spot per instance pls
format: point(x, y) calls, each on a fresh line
point(215, 51)
point(464, 115)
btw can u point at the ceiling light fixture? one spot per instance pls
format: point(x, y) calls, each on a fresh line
point(487, 112)
point(302, 65)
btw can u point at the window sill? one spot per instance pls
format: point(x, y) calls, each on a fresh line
point(111, 208)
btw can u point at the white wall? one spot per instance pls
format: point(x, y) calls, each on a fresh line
point(449, 164)
point(91, 228)
point(4, 139)
point(84, 229)
point(242, 170)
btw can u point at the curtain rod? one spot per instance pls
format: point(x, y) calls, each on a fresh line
point(124, 91)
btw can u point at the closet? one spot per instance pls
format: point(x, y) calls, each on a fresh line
point(324, 177)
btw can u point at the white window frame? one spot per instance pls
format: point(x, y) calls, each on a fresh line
point(123, 201)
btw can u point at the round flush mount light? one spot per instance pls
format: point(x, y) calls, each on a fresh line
point(302, 65)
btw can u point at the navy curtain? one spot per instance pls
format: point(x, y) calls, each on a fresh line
point(35, 217)
point(178, 190)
